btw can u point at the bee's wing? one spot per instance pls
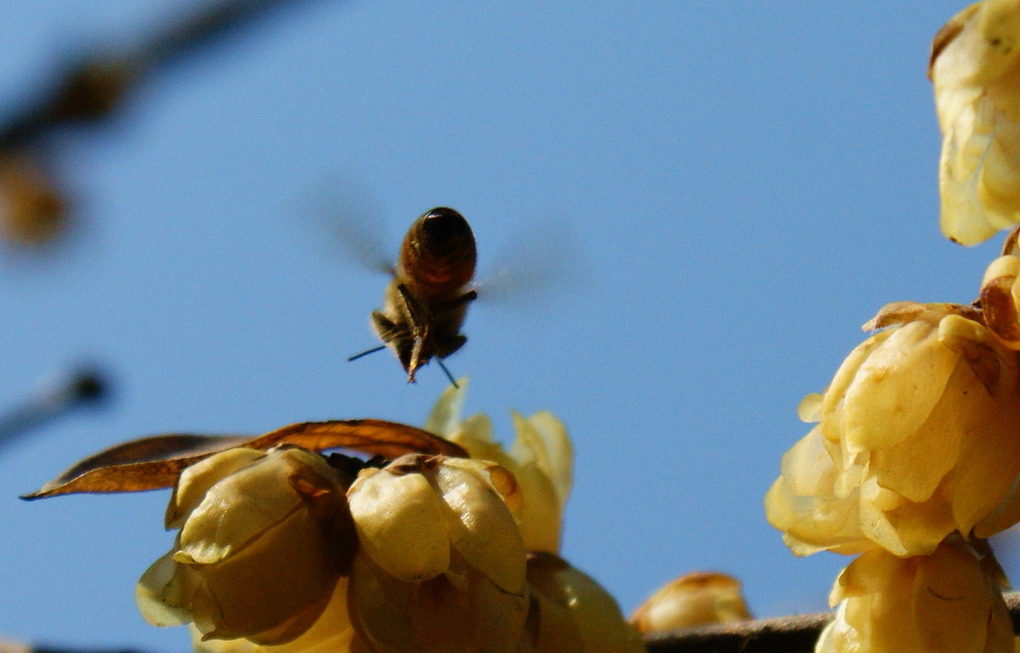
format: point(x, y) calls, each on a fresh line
point(348, 218)
point(534, 266)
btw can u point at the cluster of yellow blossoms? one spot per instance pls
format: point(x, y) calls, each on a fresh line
point(914, 461)
point(281, 551)
point(975, 67)
point(915, 457)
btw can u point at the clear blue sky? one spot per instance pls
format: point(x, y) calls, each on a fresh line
point(746, 183)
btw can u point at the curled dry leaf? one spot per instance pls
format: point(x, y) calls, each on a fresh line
point(997, 303)
point(156, 462)
point(903, 312)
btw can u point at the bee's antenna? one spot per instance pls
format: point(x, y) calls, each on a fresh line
point(366, 353)
point(447, 372)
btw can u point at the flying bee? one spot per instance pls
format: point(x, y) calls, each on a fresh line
point(426, 302)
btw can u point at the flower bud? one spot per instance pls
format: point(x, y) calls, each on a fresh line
point(441, 564)
point(973, 68)
point(937, 387)
point(264, 538)
point(574, 613)
point(332, 632)
point(693, 600)
point(946, 602)
point(540, 458)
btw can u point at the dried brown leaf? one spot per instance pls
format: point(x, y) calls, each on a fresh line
point(156, 462)
point(374, 436)
point(146, 464)
point(998, 308)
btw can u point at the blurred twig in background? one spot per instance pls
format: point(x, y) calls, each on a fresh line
point(83, 387)
point(10, 647)
point(87, 93)
point(90, 89)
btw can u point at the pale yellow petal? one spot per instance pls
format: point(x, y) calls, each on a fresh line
point(905, 529)
point(444, 419)
point(283, 578)
point(692, 600)
point(939, 603)
point(958, 609)
point(936, 442)
point(163, 597)
point(896, 387)
point(834, 399)
point(545, 435)
point(837, 636)
point(595, 613)
point(810, 407)
point(815, 524)
point(400, 524)
point(196, 480)
point(434, 615)
point(217, 527)
point(807, 466)
point(975, 73)
point(480, 526)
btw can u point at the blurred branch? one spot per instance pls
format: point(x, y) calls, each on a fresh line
point(10, 647)
point(91, 88)
point(50, 649)
point(83, 387)
point(795, 634)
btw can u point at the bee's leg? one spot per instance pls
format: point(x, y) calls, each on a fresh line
point(469, 296)
point(447, 346)
point(385, 328)
point(414, 309)
point(414, 360)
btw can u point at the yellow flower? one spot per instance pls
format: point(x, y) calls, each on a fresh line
point(441, 566)
point(975, 68)
point(573, 612)
point(692, 600)
point(264, 538)
point(917, 439)
point(541, 459)
point(332, 632)
point(946, 602)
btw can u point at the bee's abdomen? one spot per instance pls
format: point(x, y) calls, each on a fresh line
point(438, 254)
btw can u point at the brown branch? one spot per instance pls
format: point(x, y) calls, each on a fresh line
point(12, 647)
point(89, 90)
point(778, 635)
point(49, 649)
point(795, 634)
point(85, 386)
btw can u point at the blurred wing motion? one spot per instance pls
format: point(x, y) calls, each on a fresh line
point(350, 219)
point(532, 267)
point(156, 462)
point(975, 68)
